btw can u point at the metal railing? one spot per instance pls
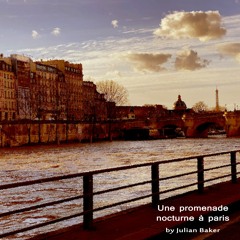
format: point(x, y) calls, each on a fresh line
point(88, 192)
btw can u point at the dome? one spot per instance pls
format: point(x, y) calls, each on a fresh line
point(179, 104)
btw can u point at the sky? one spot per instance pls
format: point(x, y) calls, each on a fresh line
point(157, 49)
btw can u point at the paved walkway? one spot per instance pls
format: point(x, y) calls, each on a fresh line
point(228, 231)
point(141, 223)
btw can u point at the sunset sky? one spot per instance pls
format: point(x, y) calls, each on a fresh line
point(157, 49)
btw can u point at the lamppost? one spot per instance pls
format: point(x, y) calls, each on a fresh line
point(39, 114)
point(29, 132)
point(1, 135)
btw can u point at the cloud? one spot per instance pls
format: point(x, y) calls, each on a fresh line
point(230, 49)
point(35, 34)
point(115, 23)
point(201, 25)
point(148, 61)
point(136, 31)
point(114, 74)
point(189, 60)
point(56, 31)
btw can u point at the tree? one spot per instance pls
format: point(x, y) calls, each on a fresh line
point(200, 107)
point(113, 91)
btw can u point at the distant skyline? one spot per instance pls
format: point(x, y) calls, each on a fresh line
point(157, 49)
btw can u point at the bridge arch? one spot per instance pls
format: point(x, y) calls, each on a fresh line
point(204, 129)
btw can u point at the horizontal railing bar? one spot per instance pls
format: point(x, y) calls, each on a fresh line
point(121, 203)
point(122, 187)
point(69, 176)
point(178, 188)
point(39, 181)
point(213, 168)
point(40, 206)
point(157, 162)
point(179, 175)
point(216, 178)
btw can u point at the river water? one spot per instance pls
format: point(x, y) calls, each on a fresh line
point(19, 164)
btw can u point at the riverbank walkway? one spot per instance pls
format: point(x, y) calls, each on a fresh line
point(142, 222)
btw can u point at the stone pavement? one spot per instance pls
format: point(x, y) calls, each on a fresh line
point(141, 223)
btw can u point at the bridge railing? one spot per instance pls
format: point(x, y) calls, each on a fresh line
point(154, 170)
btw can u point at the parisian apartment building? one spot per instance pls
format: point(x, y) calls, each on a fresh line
point(47, 90)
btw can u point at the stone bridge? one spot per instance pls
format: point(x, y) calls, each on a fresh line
point(198, 125)
point(191, 124)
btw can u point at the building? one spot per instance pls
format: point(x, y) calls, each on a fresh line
point(21, 70)
point(47, 92)
point(8, 106)
point(180, 105)
point(73, 80)
point(95, 106)
point(101, 106)
point(141, 112)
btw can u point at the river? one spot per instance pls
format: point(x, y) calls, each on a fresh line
point(86, 157)
point(24, 163)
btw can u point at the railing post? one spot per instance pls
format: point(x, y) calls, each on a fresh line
point(155, 184)
point(200, 167)
point(87, 201)
point(233, 167)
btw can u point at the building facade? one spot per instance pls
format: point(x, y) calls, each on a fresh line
point(21, 69)
point(95, 106)
point(46, 92)
point(8, 105)
point(73, 80)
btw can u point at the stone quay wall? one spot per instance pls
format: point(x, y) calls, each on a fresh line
point(19, 134)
